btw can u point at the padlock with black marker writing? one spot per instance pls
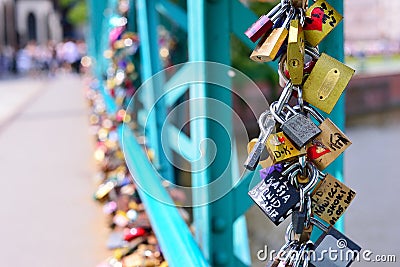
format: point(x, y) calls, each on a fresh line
point(331, 198)
point(321, 19)
point(327, 146)
point(326, 82)
point(267, 49)
point(297, 127)
point(333, 240)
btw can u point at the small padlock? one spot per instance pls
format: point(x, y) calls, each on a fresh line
point(276, 197)
point(328, 145)
point(333, 240)
point(298, 128)
point(265, 23)
point(331, 198)
point(326, 82)
point(321, 19)
point(267, 49)
point(280, 148)
point(295, 52)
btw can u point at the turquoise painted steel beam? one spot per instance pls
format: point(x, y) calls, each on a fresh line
point(173, 12)
point(176, 241)
point(151, 64)
point(249, 180)
point(209, 40)
point(333, 45)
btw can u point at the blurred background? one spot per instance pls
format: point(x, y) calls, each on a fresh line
point(48, 215)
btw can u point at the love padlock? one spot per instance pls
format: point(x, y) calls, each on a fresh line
point(268, 47)
point(327, 146)
point(275, 196)
point(331, 198)
point(297, 127)
point(326, 82)
point(321, 19)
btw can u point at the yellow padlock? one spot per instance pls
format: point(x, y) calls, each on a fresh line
point(295, 52)
point(329, 144)
point(331, 198)
point(281, 149)
point(268, 47)
point(326, 83)
point(321, 19)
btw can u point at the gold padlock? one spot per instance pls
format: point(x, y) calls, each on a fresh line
point(326, 83)
point(329, 144)
point(321, 19)
point(331, 198)
point(295, 52)
point(268, 47)
point(281, 149)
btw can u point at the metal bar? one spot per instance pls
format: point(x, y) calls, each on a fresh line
point(248, 181)
point(154, 103)
point(176, 241)
point(209, 39)
point(173, 12)
point(334, 46)
point(181, 144)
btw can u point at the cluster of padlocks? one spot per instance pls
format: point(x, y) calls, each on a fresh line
point(300, 148)
point(131, 240)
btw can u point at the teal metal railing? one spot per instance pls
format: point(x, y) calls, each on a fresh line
point(220, 228)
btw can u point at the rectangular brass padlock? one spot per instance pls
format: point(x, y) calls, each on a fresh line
point(295, 52)
point(263, 25)
point(331, 198)
point(326, 83)
point(268, 47)
point(280, 148)
point(328, 145)
point(321, 19)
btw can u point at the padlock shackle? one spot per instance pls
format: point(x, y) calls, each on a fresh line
point(319, 224)
point(313, 112)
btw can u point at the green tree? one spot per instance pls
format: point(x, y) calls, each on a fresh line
point(76, 11)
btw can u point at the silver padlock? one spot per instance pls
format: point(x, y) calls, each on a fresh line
point(297, 127)
point(333, 240)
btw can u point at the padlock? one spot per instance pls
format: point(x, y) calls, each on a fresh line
point(328, 145)
point(280, 148)
point(276, 197)
point(297, 127)
point(331, 198)
point(267, 49)
point(321, 19)
point(265, 23)
point(295, 52)
point(333, 240)
point(326, 82)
